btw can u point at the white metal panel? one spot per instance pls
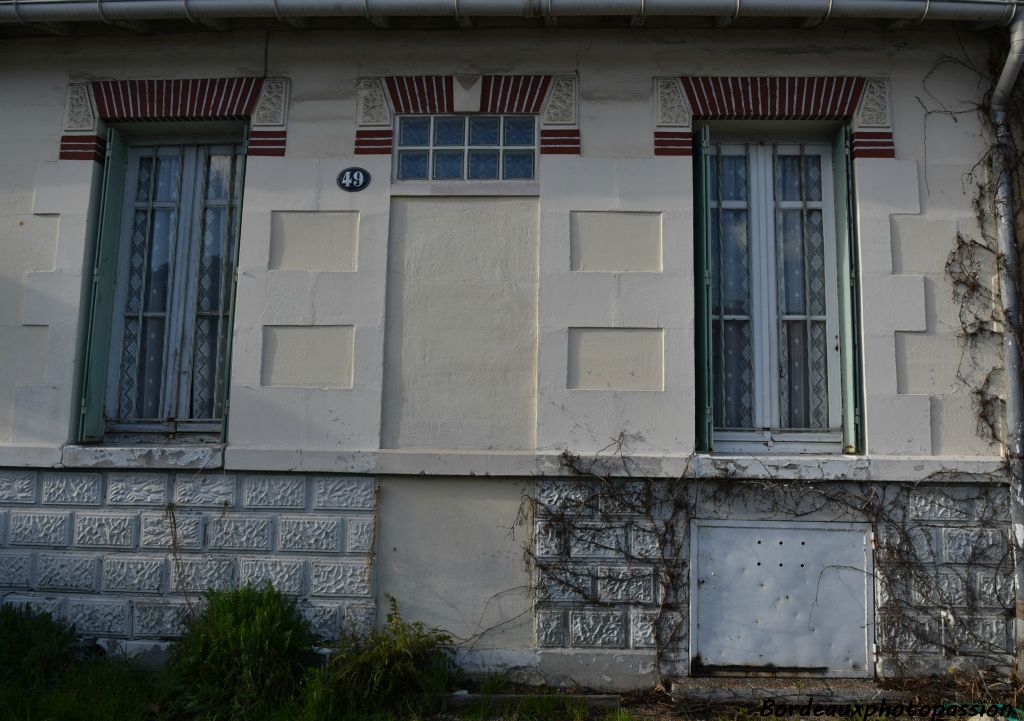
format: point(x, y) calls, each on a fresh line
point(790, 598)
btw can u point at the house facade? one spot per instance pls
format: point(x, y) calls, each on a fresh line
point(325, 306)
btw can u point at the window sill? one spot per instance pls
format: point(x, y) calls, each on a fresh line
point(185, 456)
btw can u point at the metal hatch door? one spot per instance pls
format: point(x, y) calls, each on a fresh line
point(785, 598)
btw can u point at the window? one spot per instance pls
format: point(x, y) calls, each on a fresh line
point(165, 269)
point(460, 147)
point(774, 336)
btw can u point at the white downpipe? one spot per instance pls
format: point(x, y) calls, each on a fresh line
point(1009, 294)
point(42, 11)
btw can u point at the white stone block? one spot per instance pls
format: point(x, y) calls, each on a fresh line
point(610, 241)
point(616, 359)
point(308, 356)
point(320, 241)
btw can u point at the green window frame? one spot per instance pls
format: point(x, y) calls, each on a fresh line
point(205, 233)
point(850, 385)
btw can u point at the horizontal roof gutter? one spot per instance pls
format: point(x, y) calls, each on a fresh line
point(50, 11)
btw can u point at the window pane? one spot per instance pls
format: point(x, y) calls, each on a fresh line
point(449, 131)
point(151, 377)
point(519, 130)
point(793, 374)
point(128, 400)
point(483, 164)
point(787, 177)
point(817, 370)
point(205, 368)
point(791, 262)
point(812, 177)
point(167, 177)
point(211, 259)
point(447, 165)
point(733, 374)
point(137, 261)
point(158, 273)
point(484, 131)
point(518, 164)
point(729, 178)
point(218, 177)
point(414, 131)
point(816, 261)
point(145, 179)
point(734, 272)
point(412, 165)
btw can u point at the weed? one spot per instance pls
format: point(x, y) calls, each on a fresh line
point(398, 668)
point(34, 647)
point(243, 656)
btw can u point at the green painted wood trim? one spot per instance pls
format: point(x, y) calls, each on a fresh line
point(101, 308)
point(849, 298)
point(236, 239)
point(702, 289)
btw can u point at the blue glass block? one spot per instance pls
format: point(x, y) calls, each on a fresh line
point(412, 165)
point(519, 131)
point(518, 165)
point(483, 164)
point(414, 131)
point(484, 131)
point(447, 165)
point(449, 131)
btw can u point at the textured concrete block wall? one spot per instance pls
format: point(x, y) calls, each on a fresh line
point(123, 553)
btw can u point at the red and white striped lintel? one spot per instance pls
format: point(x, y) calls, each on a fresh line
point(82, 147)
point(872, 144)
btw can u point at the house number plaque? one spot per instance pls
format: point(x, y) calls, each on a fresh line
point(353, 180)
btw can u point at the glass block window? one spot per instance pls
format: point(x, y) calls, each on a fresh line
point(466, 147)
point(775, 355)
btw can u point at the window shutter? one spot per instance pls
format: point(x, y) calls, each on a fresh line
point(97, 345)
point(849, 302)
point(702, 288)
point(236, 240)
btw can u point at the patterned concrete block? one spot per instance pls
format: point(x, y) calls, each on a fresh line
point(15, 570)
point(61, 571)
point(275, 492)
point(928, 504)
point(332, 578)
point(204, 490)
point(288, 576)
point(587, 540)
point(136, 489)
point(557, 496)
point(39, 604)
point(566, 584)
point(198, 574)
point(351, 493)
point(597, 628)
point(630, 585)
point(182, 530)
point(106, 617)
point(993, 588)
point(644, 541)
point(309, 533)
point(322, 618)
point(72, 489)
point(359, 534)
point(945, 588)
point(42, 528)
point(973, 545)
point(550, 539)
point(133, 574)
point(159, 619)
point(552, 629)
point(359, 618)
point(105, 529)
point(671, 629)
point(17, 486)
point(244, 533)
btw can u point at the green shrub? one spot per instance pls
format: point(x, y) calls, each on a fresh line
point(34, 647)
point(243, 656)
point(399, 668)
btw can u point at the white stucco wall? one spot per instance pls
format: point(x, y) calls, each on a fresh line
point(914, 404)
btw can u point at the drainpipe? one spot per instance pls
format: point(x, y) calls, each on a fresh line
point(1008, 293)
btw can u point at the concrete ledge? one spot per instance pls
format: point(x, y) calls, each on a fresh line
point(197, 457)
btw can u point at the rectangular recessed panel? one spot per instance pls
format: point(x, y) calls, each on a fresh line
point(631, 359)
point(317, 356)
point(461, 327)
point(609, 241)
point(314, 240)
point(788, 598)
